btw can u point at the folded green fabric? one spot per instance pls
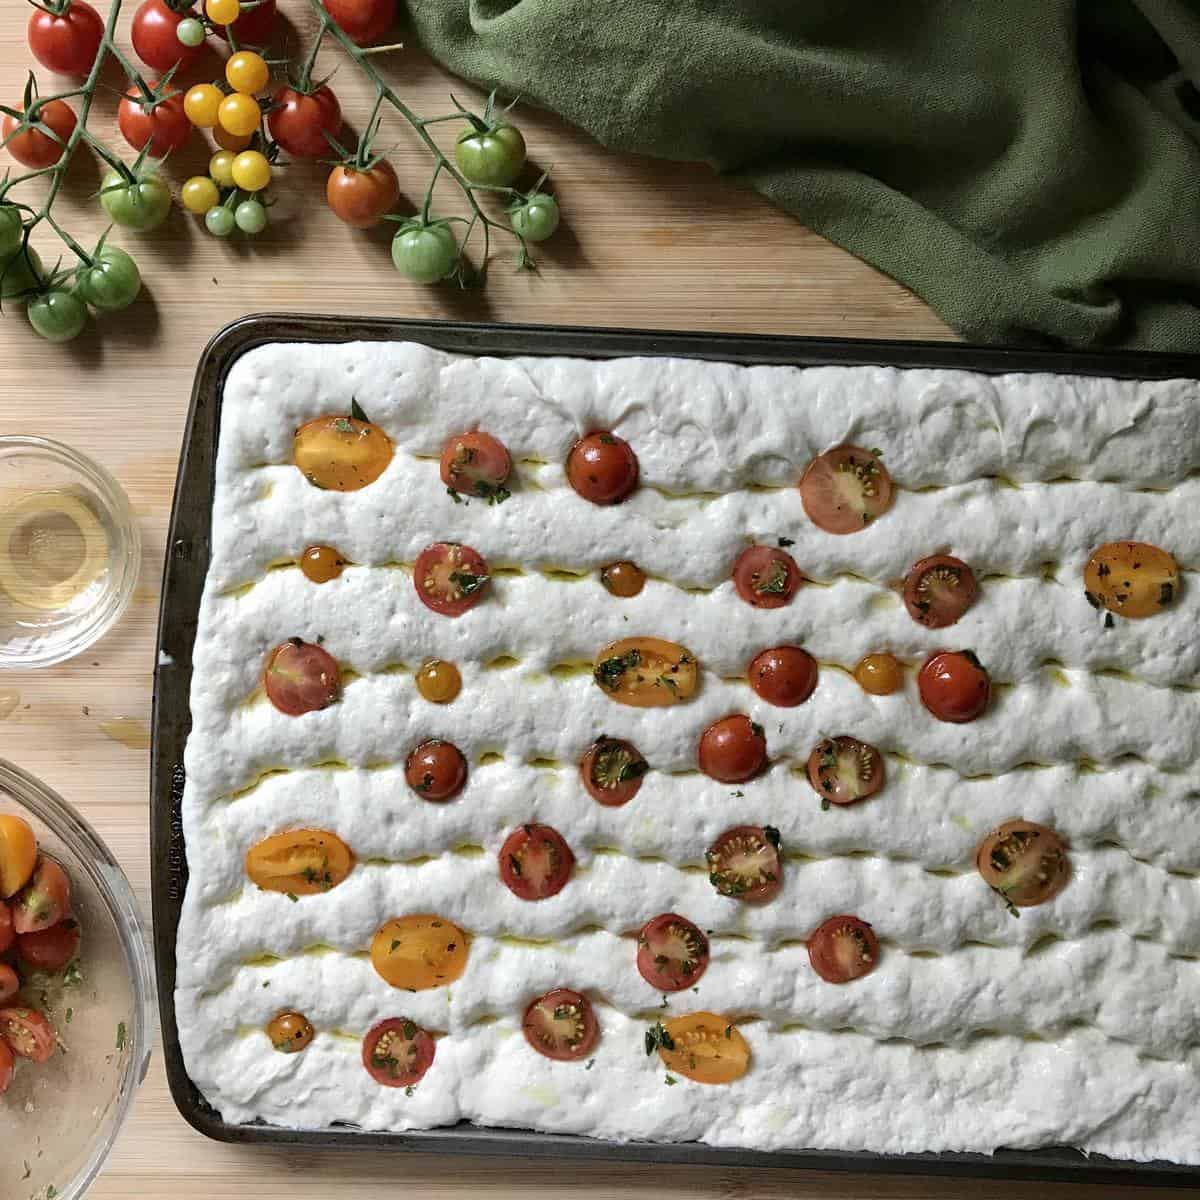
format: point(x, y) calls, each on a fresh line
point(1031, 168)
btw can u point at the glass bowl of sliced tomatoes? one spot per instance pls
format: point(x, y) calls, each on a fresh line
point(76, 994)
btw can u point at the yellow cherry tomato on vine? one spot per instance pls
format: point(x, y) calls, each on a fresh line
point(239, 114)
point(201, 104)
point(199, 194)
point(251, 171)
point(220, 167)
point(247, 72)
point(222, 12)
point(237, 142)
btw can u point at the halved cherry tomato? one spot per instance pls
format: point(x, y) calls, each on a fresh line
point(478, 464)
point(290, 1032)
point(68, 41)
point(744, 863)
point(18, 854)
point(50, 949)
point(1025, 862)
point(645, 672)
point(766, 577)
point(845, 489)
point(938, 590)
point(398, 1052)
point(10, 985)
point(954, 686)
point(672, 953)
point(704, 1047)
point(341, 454)
point(6, 927)
point(602, 468)
point(419, 952)
point(450, 578)
point(436, 770)
point(34, 149)
point(733, 749)
point(300, 677)
point(843, 948)
point(163, 126)
point(879, 674)
point(299, 121)
point(784, 675)
point(44, 900)
point(321, 564)
point(624, 579)
point(1131, 579)
point(561, 1025)
point(360, 198)
point(303, 862)
point(612, 771)
point(843, 770)
point(27, 1033)
point(535, 862)
point(6, 1067)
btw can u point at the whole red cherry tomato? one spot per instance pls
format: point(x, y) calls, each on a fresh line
point(33, 148)
point(299, 122)
point(163, 124)
point(362, 21)
point(155, 40)
point(66, 43)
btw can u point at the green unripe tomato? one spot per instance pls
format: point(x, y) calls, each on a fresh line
point(190, 32)
point(10, 230)
point(58, 316)
point(250, 216)
point(536, 219)
point(425, 253)
point(494, 156)
point(112, 281)
point(16, 274)
point(139, 206)
point(219, 221)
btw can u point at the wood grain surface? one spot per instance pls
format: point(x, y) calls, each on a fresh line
point(645, 244)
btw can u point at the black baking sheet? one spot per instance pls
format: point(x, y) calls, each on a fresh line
point(183, 582)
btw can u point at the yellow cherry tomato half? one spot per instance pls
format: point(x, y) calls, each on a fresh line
point(199, 194)
point(236, 142)
point(220, 167)
point(222, 12)
point(419, 952)
point(201, 104)
point(247, 72)
point(251, 171)
point(239, 114)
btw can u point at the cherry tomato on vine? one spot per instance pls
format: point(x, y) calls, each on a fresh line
point(299, 122)
point(362, 21)
point(141, 205)
point(250, 216)
point(199, 194)
point(535, 218)
point(66, 43)
point(219, 221)
point(19, 273)
point(222, 12)
point(360, 198)
point(57, 315)
point(254, 26)
point(247, 72)
point(425, 251)
point(161, 124)
point(235, 143)
point(190, 32)
point(251, 171)
point(493, 156)
point(33, 148)
point(239, 114)
point(155, 35)
point(202, 104)
point(220, 167)
point(112, 281)
point(11, 230)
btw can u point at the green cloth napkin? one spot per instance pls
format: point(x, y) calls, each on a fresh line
point(1031, 168)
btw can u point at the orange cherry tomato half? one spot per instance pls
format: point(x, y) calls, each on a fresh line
point(450, 578)
point(478, 464)
point(783, 675)
point(290, 1032)
point(1131, 579)
point(10, 984)
point(44, 900)
point(341, 454)
point(843, 948)
point(766, 577)
point(50, 949)
point(602, 468)
point(300, 677)
point(18, 854)
point(612, 771)
point(954, 686)
point(34, 149)
point(938, 590)
point(398, 1052)
point(360, 198)
point(1025, 862)
point(535, 862)
point(6, 1055)
point(419, 952)
point(705, 1048)
point(561, 1025)
point(7, 933)
point(843, 770)
point(646, 672)
point(845, 489)
point(436, 770)
point(672, 953)
point(27, 1032)
point(744, 863)
point(733, 749)
point(304, 862)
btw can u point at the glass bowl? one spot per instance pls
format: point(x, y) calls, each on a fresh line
point(60, 1118)
point(69, 552)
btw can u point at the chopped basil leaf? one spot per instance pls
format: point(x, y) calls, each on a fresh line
point(357, 413)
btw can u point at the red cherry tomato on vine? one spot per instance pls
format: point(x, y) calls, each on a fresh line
point(155, 39)
point(299, 123)
point(66, 43)
point(360, 198)
point(35, 149)
point(362, 21)
point(164, 125)
point(254, 27)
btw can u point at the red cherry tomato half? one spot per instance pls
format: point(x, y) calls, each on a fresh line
point(938, 590)
point(784, 675)
point(27, 1032)
point(362, 21)
point(843, 770)
point(733, 749)
point(672, 953)
point(612, 771)
point(954, 686)
point(164, 125)
point(535, 862)
point(6, 1066)
point(66, 43)
point(843, 948)
point(602, 468)
point(450, 578)
point(44, 900)
point(154, 37)
point(7, 933)
point(478, 464)
point(31, 147)
point(398, 1052)
point(766, 577)
point(436, 770)
point(254, 27)
point(51, 949)
point(10, 985)
point(1024, 862)
point(299, 123)
point(300, 677)
point(744, 863)
point(561, 1025)
point(845, 489)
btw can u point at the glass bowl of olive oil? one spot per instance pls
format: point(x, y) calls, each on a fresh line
point(69, 552)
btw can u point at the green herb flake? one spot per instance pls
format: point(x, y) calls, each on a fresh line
point(412, 1087)
point(785, 542)
point(409, 1029)
point(608, 673)
point(669, 1080)
point(293, 897)
point(591, 1062)
point(772, 835)
point(826, 805)
point(357, 413)
point(493, 493)
point(69, 1015)
point(454, 495)
point(466, 582)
